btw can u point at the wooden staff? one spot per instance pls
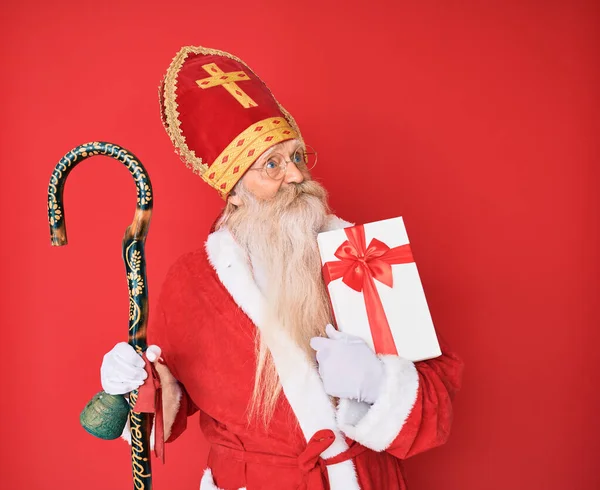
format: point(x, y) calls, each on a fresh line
point(135, 266)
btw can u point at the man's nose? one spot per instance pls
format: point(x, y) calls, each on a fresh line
point(293, 174)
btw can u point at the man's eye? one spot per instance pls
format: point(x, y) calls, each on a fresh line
point(298, 157)
point(271, 164)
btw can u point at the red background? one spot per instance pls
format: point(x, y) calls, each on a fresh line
point(478, 122)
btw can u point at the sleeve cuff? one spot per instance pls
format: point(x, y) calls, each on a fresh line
point(377, 426)
point(172, 394)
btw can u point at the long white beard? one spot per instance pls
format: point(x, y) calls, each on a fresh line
point(280, 237)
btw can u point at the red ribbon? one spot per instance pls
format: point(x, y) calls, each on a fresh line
point(149, 400)
point(359, 266)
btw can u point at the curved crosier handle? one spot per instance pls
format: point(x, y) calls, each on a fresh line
point(135, 265)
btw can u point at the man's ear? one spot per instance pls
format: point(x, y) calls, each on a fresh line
point(234, 199)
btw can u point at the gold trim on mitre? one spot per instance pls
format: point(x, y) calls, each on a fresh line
point(171, 121)
point(243, 151)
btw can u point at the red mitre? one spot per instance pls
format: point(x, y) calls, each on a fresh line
point(219, 115)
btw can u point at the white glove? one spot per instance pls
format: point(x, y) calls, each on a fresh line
point(122, 368)
point(348, 367)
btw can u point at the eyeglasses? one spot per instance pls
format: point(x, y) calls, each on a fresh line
point(305, 158)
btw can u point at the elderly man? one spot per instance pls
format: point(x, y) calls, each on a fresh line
point(243, 325)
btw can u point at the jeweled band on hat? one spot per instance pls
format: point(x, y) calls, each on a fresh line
point(219, 115)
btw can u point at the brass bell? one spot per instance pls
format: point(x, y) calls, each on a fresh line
point(105, 415)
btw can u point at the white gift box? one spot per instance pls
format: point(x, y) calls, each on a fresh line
point(403, 304)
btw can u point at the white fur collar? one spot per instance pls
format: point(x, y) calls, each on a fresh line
point(335, 223)
point(299, 378)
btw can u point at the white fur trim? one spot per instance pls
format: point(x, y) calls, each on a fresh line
point(377, 426)
point(299, 378)
point(208, 483)
point(335, 223)
point(170, 411)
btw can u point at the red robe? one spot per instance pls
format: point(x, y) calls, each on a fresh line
point(207, 313)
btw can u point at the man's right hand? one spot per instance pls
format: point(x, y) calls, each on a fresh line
point(122, 368)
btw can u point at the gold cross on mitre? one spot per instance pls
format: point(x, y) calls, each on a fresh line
point(219, 77)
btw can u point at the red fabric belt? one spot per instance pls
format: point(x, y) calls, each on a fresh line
point(309, 461)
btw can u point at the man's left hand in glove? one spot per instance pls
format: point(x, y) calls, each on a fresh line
point(348, 367)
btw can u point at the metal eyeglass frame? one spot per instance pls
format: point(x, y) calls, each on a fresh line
point(307, 149)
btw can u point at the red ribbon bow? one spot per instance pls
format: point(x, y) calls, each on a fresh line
point(315, 467)
point(358, 267)
point(311, 463)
